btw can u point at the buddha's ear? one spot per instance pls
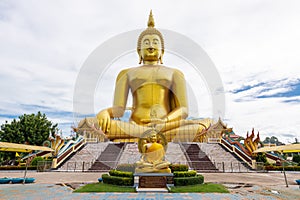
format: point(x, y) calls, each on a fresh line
point(140, 56)
point(160, 58)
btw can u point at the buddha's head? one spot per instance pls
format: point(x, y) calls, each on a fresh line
point(153, 137)
point(150, 45)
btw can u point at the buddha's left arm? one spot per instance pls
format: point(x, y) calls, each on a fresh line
point(179, 100)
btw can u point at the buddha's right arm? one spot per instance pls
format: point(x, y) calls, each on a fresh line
point(104, 117)
point(120, 100)
point(121, 94)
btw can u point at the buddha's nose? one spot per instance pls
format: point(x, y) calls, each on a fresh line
point(151, 49)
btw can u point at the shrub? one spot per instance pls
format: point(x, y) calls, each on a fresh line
point(178, 167)
point(296, 158)
point(261, 157)
point(190, 173)
point(126, 167)
point(120, 173)
point(35, 160)
point(280, 168)
point(115, 180)
point(181, 181)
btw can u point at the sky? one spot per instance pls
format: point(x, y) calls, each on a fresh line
point(254, 46)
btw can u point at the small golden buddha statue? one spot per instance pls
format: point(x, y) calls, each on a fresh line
point(158, 93)
point(152, 146)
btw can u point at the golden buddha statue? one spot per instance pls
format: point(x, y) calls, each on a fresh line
point(158, 93)
point(152, 146)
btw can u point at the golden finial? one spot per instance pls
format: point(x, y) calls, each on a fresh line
point(151, 20)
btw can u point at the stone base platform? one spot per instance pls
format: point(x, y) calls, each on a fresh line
point(153, 182)
point(151, 190)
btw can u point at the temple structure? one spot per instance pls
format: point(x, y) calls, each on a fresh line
point(159, 110)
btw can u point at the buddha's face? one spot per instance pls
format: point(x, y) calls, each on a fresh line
point(153, 138)
point(151, 48)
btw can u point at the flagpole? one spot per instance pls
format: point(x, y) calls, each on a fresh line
point(27, 161)
point(25, 171)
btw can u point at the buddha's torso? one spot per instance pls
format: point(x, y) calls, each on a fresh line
point(154, 153)
point(150, 86)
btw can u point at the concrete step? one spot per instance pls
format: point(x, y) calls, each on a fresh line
point(151, 190)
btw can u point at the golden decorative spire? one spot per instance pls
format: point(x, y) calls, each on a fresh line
point(151, 20)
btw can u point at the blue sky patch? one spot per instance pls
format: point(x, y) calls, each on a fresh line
point(247, 87)
point(293, 92)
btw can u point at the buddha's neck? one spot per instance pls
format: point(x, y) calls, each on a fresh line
point(150, 62)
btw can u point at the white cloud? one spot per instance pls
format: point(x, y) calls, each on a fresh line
point(43, 45)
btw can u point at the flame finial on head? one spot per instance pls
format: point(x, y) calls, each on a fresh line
point(151, 20)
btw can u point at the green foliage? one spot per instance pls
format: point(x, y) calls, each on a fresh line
point(120, 173)
point(190, 173)
point(296, 158)
point(280, 168)
point(272, 140)
point(180, 181)
point(205, 188)
point(178, 167)
point(115, 180)
point(126, 167)
point(261, 157)
point(30, 129)
point(36, 160)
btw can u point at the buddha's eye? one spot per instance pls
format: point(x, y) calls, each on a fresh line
point(146, 42)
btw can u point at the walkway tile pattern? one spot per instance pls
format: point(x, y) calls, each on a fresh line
point(52, 191)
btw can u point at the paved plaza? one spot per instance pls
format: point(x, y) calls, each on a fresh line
point(53, 185)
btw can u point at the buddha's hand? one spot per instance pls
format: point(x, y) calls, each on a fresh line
point(103, 118)
point(154, 121)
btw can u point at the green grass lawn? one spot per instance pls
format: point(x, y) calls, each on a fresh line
point(102, 187)
point(203, 188)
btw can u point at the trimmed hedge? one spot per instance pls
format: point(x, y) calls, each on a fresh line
point(115, 180)
point(120, 173)
point(181, 181)
point(191, 173)
point(178, 167)
point(126, 167)
point(280, 168)
point(12, 167)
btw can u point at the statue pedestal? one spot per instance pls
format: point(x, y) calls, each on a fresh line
point(148, 182)
point(152, 182)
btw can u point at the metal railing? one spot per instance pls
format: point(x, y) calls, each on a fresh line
point(44, 166)
point(200, 166)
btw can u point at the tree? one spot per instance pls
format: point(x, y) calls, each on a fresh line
point(261, 157)
point(30, 129)
point(272, 140)
point(296, 158)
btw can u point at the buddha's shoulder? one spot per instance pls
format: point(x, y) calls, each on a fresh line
point(160, 68)
point(171, 70)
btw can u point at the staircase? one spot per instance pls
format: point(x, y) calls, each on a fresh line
point(131, 154)
point(83, 159)
point(108, 158)
point(224, 160)
point(197, 159)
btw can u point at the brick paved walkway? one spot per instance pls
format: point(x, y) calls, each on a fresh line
point(48, 186)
